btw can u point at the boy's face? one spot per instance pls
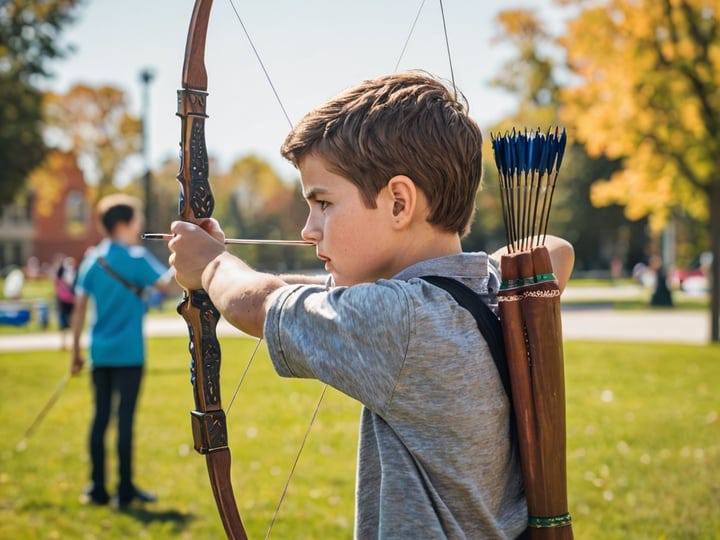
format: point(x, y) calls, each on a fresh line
point(355, 242)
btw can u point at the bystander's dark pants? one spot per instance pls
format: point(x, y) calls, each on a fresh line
point(123, 384)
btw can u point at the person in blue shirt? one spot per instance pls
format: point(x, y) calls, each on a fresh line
point(112, 278)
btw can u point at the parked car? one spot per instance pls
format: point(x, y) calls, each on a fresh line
point(695, 278)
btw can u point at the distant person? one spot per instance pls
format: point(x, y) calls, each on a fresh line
point(661, 297)
point(65, 296)
point(113, 276)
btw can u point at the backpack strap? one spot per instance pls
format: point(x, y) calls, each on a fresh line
point(134, 288)
point(488, 323)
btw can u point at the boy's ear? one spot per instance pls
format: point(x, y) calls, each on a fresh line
point(404, 198)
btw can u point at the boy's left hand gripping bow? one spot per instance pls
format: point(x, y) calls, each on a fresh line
point(196, 201)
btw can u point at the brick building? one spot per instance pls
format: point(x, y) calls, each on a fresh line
point(54, 219)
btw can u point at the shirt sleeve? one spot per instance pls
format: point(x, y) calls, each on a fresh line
point(352, 338)
point(148, 270)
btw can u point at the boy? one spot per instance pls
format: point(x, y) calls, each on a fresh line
point(113, 274)
point(389, 169)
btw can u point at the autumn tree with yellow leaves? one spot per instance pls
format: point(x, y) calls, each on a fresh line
point(534, 75)
point(647, 93)
point(97, 125)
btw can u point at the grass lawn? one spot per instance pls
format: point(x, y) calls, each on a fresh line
point(643, 448)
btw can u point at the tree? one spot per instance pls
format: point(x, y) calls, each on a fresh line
point(262, 206)
point(599, 235)
point(29, 34)
point(648, 95)
point(96, 124)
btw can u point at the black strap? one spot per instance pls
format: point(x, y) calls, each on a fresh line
point(487, 322)
point(134, 288)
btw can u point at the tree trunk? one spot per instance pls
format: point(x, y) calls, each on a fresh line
point(715, 267)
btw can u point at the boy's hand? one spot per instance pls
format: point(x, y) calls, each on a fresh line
point(192, 248)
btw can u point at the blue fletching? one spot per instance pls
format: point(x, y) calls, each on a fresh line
point(521, 149)
point(494, 143)
point(507, 150)
point(552, 154)
point(537, 151)
point(561, 149)
point(544, 156)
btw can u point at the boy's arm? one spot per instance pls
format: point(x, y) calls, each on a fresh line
point(239, 292)
point(562, 256)
point(78, 323)
point(300, 279)
point(200, 259)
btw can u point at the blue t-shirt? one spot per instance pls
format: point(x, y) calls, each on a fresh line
point(116, 327)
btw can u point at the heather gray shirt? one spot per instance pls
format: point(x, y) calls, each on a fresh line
point(435, 458)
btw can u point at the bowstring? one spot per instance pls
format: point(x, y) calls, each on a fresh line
point(407, 40)
point(447, 47)
point(242, 377)
point(287, 117)
point(262, 64)
point(257, 345)
point(446, 38)
point(295, 462)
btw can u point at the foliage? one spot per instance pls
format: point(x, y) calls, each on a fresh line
point(530, 75)
point(29, 33)
point(251, 201)
point(97, 125)
point(639, 450)
point(262, 205)
point(598, 234)
point(648, 95)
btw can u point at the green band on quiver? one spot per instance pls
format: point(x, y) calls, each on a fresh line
point(549, 522)
point(545, 277)
point(509, 284)
point(515, 283)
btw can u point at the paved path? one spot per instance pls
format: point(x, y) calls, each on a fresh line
point(666, 326)
point(671, 326)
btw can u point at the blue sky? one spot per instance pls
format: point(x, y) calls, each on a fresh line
point(311, 48)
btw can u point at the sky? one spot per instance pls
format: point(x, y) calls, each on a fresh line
point(312, 49)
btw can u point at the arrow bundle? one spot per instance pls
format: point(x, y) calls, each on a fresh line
point(529, 308)
point(528, 165)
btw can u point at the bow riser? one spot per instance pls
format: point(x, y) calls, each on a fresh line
point(194, 174)
point(209, 424)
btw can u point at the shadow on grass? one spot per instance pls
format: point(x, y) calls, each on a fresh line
point(147, 516)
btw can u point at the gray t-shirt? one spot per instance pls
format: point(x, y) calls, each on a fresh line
point(435, 459)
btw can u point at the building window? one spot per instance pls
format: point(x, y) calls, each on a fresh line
point(75, 213)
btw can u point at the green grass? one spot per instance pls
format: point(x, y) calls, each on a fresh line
point(643, 440)
point(643, 448)
point(39, 487)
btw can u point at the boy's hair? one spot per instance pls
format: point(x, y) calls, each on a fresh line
point(408, 124)
point(117, 208)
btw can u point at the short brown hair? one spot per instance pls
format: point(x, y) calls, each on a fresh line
point(117, 208)
point(408, 123)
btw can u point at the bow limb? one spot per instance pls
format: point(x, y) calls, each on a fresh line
point(209, 425)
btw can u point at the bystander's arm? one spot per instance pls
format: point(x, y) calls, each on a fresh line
point(78, 323)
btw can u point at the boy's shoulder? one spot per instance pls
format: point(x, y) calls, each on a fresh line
point(462, 266)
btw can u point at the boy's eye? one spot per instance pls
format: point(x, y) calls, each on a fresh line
point(323, 204)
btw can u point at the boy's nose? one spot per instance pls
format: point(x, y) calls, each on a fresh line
point(311, 231)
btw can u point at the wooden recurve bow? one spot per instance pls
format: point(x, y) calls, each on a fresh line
point(209, 426)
